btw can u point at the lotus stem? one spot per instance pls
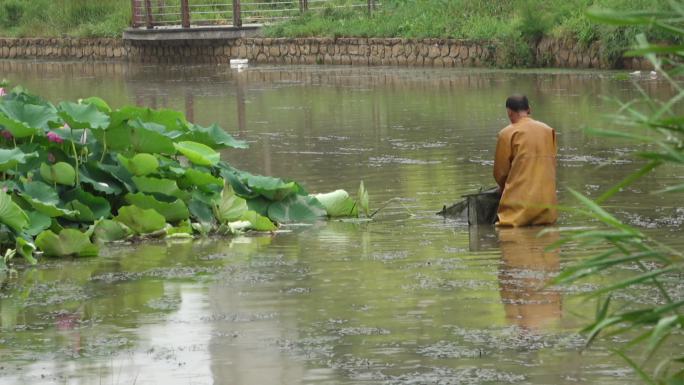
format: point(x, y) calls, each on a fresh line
point(73, 148)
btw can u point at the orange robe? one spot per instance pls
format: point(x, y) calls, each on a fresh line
point(525, 170)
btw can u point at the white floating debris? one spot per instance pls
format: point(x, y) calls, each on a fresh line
point(635, 73)
point(239, 63)
point(654, 75)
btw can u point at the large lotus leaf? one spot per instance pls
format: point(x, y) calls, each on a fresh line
point(11, 158)
point(338, 204)
point(363, 199)
point(160, 186)
point(258, 222)
point(99, 180)
point(37, 223)
point(183, 230)
point(90, 207)
point(259, 205)
point(296, 208)
point(200, 179)
point(24, 120)
point(97, 102)
point(274, 189)
point(198, 153)
point(140, 164)
point(174, 210)
point(141, 221)
point(201, 211)
point(170, 119)
point(11, 214)
point(108, 231)
point(119, 173)
point(83, 116)
point(212, 136)
point(44, 198)
point(26, 248)
point(233, 176)
point(229, 207)
point(150, 138)
point(61, 173)
point(68, 242)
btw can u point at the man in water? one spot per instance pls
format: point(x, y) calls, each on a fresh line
point(525, 168)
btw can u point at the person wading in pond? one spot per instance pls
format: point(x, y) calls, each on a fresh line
point(525, 168)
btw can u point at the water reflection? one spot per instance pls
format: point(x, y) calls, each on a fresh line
point(524, 274)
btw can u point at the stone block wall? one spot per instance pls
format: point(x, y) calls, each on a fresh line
point(340, 51)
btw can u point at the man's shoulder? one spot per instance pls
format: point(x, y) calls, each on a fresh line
point(541, 124)
point(507, 130)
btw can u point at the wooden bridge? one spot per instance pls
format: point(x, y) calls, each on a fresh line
point(181, 19)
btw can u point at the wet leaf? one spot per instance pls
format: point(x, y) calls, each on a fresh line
point(258, 222)
point(198, 153)
point(338, 204)
point(141, 221)
point(68, 242)
point(108, 231)
point(296, 209)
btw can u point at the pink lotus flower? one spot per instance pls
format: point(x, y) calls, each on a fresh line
point(53, 137)
point(65, 127)
point(2, 92)
point(6, 134)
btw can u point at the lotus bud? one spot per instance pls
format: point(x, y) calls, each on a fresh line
point(53, 137)
point(65, 127)
point(84, 137)
point(6, 134)
point(2, 92)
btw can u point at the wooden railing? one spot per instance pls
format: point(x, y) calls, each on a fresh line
point(187, 13)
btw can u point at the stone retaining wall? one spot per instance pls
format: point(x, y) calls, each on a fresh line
point(341, 51)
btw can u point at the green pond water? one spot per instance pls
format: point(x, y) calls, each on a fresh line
point(409, 298)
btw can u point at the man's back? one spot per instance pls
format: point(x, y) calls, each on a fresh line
point(525, 170)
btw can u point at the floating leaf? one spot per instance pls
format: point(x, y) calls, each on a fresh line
point(11, 214)
point(338, 204)
point(183, 230)
point(212, 136)
point(140, 164)
point(296, 208)
point(83, 115)
point(68, 242)
point(10, 158)
point(230, 207)
point(141, 221)
point(61, 173)
point(198, 153)
point(108, 231)
point(24, 120)
point(173, 210)
point(258, 222)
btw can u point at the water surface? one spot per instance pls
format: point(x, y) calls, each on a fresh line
point(406, 299)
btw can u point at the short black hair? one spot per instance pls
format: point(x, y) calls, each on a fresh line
point(518, 103)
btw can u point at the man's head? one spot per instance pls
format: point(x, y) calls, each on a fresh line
point(517, 106)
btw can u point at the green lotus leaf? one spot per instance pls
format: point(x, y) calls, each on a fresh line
point(97, 102)
point(141, 221)
point(160, 186)
point(10, 158)
point(119, 173)
point(140, 164)
point(198, 153)
point(200, 179)
point(11, 214)
point(212, 136)
point(108, 230)
point(183, 230)
point(259, 205)
point(338, 204)
point(169, 119)
point(44, 198)
point(90, 207)
point(25, 248)
point(99, 180)
point(68, 242)
point(258, 222)
point(201, 211)
point(24, 120)
point(83, 116)
point(61, 173)
point(229, 207)
point(234, 177)
point(363, 199)
point(297, 209)
point(173, 211)
point(272, 188)
point(151, 138)
point(37, 223)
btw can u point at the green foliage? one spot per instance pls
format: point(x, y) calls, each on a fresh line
point(657, 265)
point(82, 172)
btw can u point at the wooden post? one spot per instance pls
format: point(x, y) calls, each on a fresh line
point(237, 16)
point(134, 14)
point(148, 11)
point(185, 14)
point(306, 5)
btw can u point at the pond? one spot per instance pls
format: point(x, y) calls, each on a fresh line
point(409, 298)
